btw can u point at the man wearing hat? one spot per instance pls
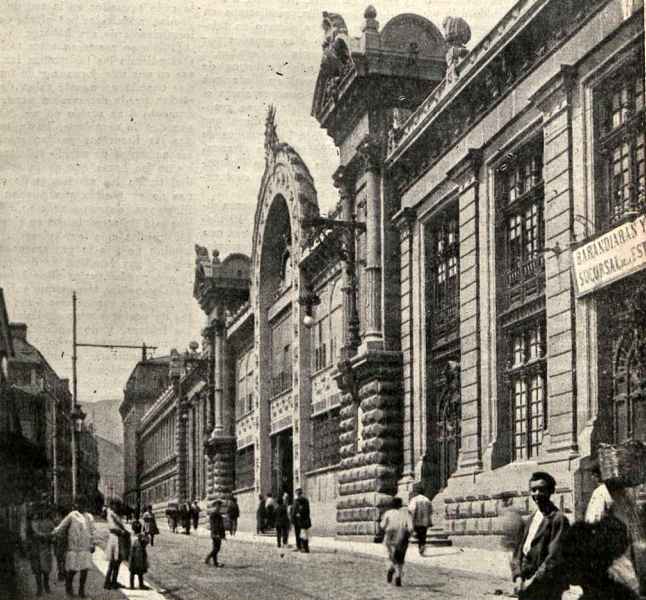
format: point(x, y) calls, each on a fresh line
point(535, 568)
point(420, 509)
point(302, 521)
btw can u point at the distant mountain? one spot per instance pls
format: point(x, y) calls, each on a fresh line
point(104, 416)
point(110, 468)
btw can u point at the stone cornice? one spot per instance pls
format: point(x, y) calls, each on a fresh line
point(467, 167)
point(554, 91)
point(405, 218)
point(526, 37)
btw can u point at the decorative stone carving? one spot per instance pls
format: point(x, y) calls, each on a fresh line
point(336, 61)
point(370, 23)
point(457, 33)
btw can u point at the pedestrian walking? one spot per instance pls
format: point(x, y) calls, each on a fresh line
point(60, 546)
point(535, 566)
point(302, 521)
point(37, 536)
point(234, 514)
point(195, 513)
point(218, 534)
point(397, 526)
point(138, 560)
point(150, 524)
point(118, 548)
point(261, 515)
point(588, 551)
point(281, 519)
point(185, 517)
point(270, 509)
point(172, 514)
point(611, 498)
point(420, 509)
point(80, 532)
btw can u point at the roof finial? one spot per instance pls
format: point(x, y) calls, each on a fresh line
point(370, 16)
point(271, 137)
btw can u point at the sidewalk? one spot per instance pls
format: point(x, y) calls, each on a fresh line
point(93, 587)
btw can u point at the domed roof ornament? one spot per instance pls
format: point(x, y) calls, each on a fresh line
point(457, 34)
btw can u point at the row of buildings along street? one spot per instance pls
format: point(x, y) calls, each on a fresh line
point(471, 311)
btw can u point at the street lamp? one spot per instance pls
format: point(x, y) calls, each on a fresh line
point(339, 237)
point(77, 417)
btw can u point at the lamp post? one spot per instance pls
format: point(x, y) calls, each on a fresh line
point(76, 414)
point(340, 237)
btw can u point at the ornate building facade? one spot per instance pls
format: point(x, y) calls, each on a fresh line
point(444, 324)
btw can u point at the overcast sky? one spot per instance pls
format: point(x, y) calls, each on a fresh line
point(132, 131)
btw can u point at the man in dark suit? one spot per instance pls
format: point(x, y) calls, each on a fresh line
point(535, 568)
point(218, 534)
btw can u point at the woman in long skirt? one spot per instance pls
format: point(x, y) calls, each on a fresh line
point(118, 548)
point(150, 524)
point(398, 528)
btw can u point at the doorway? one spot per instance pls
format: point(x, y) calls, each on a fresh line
point(282, 464)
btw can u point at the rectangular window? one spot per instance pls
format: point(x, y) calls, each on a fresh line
point(244, 475)
point(443, 252)
point(526, 374)
point(325, 432)
point(281, 356)
point(619, 115)
point(520, 198)
point(520, 227)
point(322, 353)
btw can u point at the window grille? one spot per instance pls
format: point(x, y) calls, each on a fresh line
point(244, 475)
point(619, 114)
point(325, 430)
point(526, 375)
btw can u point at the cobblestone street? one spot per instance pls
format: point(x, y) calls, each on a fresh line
point(258, 570)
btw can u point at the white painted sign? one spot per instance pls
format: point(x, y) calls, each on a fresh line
point(609, 257)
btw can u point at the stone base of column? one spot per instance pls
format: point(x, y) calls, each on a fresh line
point(220, 453)
point(371, 464)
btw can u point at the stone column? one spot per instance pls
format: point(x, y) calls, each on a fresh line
point(466, 175)
point(209, 334)
point(405, 221)
point(220, 445)
point(218, 379)
point(372, 150)
point(345, 184)
point(554, 100)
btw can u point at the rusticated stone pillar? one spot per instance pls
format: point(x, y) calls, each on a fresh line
point(219, 446)
point(370, 440)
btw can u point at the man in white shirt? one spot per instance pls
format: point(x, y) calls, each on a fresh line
point(80, 529)
point(420, 509)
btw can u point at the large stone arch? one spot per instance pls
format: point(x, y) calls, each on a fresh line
point(286, 195)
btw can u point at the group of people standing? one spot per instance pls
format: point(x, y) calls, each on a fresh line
point(72, 542)
point(122, 545)
point(604, 553)
point(185, 514)
point(281, 515)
